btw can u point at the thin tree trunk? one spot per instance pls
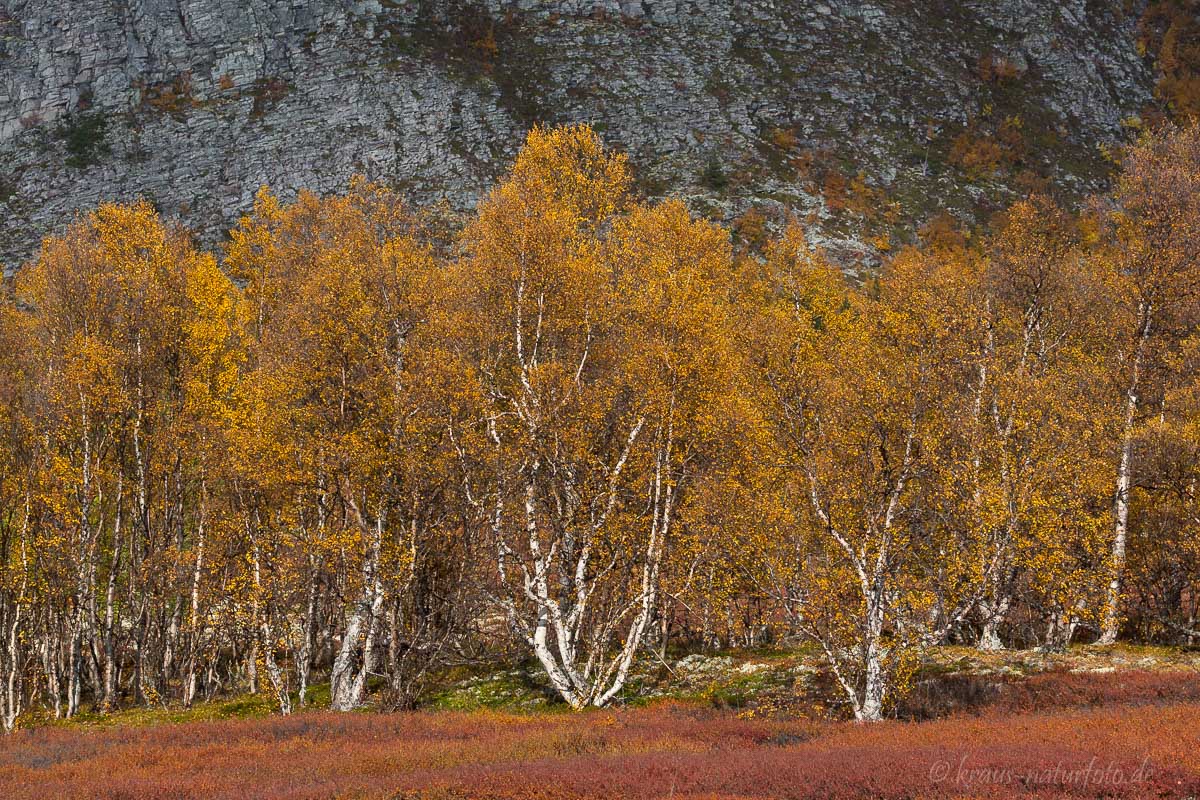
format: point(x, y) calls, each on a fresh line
point(1112, 606)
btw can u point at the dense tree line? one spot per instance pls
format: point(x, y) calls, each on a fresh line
point(588, 428)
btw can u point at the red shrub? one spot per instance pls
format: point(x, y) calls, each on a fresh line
point(1047, 691)
point(667, 751)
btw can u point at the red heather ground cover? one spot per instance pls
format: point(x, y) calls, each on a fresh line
point(1150, 748)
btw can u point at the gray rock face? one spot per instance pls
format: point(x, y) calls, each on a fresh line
point(194, 104)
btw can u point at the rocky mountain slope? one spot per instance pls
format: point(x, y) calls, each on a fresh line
point(867, 117)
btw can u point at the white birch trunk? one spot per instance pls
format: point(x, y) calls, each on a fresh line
point(1112, 605)
point(347, 680)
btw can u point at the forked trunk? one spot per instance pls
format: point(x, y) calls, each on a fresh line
point(993, 617)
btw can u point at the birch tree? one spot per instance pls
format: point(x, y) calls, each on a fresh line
point(855, 383)
point(586, 333)
point(132, 344)
point(17, 577)
point(1025, 432)
point(1150, 259)
point(341, 435)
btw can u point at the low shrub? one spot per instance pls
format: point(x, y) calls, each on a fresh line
point(714, 176)
point(1060, 689)
point(672, 751)
point(83, 135)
